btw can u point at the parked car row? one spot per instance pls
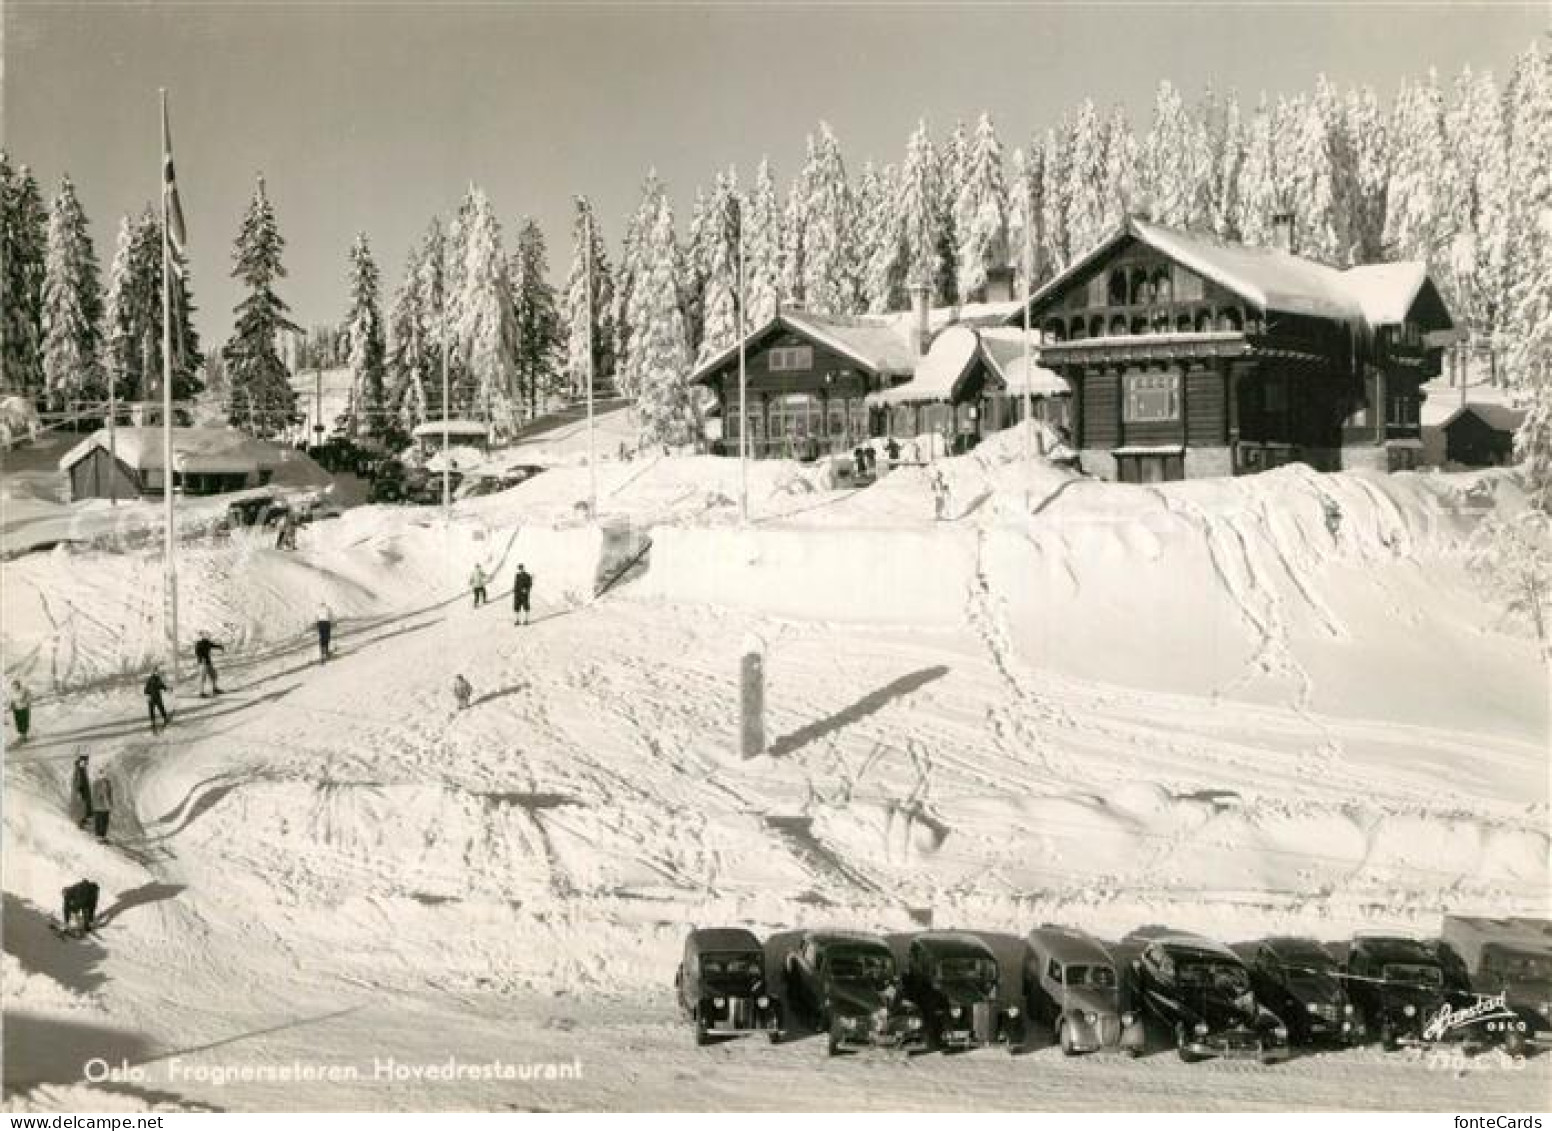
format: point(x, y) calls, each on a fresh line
point(1482, 983)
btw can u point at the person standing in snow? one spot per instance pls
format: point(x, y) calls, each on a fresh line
point(477, 581)
point(462, 691)
point(939, 495)
point(154, 687)
point(1333, 518)
point(21, 709)
point(325, 623)
point(81, 789)
point(80, 902)
point(522, 589)
point(102, 803)
point(204, 657)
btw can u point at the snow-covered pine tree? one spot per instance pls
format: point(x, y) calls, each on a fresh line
point(1226, 151)
point(409, 348)
point(1055, 193)
point(1316, 175)
point(121, 358)
point(144, 292)
point(1259, 196)
point(540, 338)
point(700, 250)
point(1173, 163)
point(981, 212)
point(1086, 181)
point(660, 343)
point(867, 205)
point(262, 399)
point(630, 311)
point(1120, 177)
point(1023, 217)
point(579, 299)
point(829, 281)
point(1368, 142)
point(1477, 136)
point(917, 215)
point(72, 306)
point(1423, 197)
point(23, 252)
point(794, 231)
point(720, 297)
point(364, 335)
point(485, 328)
point(884, 274)
point(762, 248)
point(1528, 263)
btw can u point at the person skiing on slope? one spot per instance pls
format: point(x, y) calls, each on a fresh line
point(325, 623)
point(522, 589)
point(204, 656)
point(81, 789)
point(80, 902)
point(477, 581)
point(462, 690)
point(102, 803)
point(153, 693)
point(21, 709)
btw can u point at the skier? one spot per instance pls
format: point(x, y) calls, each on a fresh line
point(939, 495)
point(154, 705)
point(477, 581)
point(21, 709)
point(81, 789)
point(892, 450)
point(522, 588)
point(285, 537)
point(102, 803)
point(1333, 518)
point(204, 649)
point(325, 622)
point(461, 692)
point(80, 902)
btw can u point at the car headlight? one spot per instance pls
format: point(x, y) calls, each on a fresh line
point(1280, 1033)
point(955, 1011)
point(1409, 1010)
point(1311, 1007)
point(719, 1002)
point(762, 1001)
point(1091, 1017)
point(913, 1023)
point(1127, 1019)
point(1346, 1025)
point(850, 1022)
point(1013, 1011)
point(1201, 1028)
point(1348, 1009)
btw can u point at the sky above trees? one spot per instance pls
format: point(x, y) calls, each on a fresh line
point(376, 117)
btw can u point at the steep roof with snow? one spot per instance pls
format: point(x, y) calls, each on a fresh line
point(1268, 277)
point(953, 356)
point(210, 450)
point(1499, 417)
point(1003, 348)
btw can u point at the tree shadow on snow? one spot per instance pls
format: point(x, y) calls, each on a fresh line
point(28, 935)
point(869, 704)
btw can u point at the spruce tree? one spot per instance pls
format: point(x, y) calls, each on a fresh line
point(720, 297)
point(981, 212)
point(762, 249)
point(1423, 197)
point(1368, 143)
point(72, 306)
point(1174, 163)
point(120, 347)
point(918, 215)
point(1055, 192)
point(364, 335)
point(1119, 193)
point(660, 343)
point(1527, 334)
point(588, 314)
point(884, 274)
point(828, 279)
point(794, 231)
point(1259, 198)
point(262, 399)
point(484, 328)
point(23, 254)
point(1478, 139)
point(629, 310)
point(1086, 204)
point(540, 337)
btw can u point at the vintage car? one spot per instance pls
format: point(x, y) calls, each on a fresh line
point(953, 979)
point(1301, 982)
point(1397, 986)
point(1201, 991)
point(721, 986)
point(1501, 972)
point(1072, 984)
point(847, 986)
point(257, 510)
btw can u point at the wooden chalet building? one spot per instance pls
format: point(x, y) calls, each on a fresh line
point(128, 464)
point(1188, 356)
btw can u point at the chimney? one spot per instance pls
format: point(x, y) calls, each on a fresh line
point(921, 306)
point(1282, 232)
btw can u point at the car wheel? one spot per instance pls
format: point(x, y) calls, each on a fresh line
point(774, 1036)
point(833, 1042)
point(1064, 1038)
point(1181, 1040)
point(1388, 1040)
point(701, 1036)
point(1514, 1044)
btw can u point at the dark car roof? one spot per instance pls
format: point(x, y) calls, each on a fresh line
point(1195, 946)
point(1395, 948)
point(707, 939)
point(954, 944)
point(858, 939)
point(1292, 946)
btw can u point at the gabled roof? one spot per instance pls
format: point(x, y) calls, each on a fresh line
point(454, 427)
point(208, 450)
point(1499, 417)
point(1269, 278)
point(1003, 349)
point(937, 376)
point(880, 344)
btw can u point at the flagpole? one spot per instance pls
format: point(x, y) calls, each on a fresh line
point(447, 455)
point(587, 275)
point(743, 382)
point(170, 548)
point(1029, 376)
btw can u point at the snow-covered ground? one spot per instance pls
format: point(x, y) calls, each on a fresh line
point(1206, 705)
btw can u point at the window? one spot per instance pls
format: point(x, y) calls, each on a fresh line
point(789, 358)
point(1152, 396)
point(1054, 971)
point(1188, 286)
point(1098, 290)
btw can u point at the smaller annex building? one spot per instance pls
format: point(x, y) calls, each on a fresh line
point(127, 463)
point(1481, 434)
point(430, 436)
point(821, 384)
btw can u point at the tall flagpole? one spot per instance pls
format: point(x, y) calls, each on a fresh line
point(743, 382)
point(447, 453)
point(587, 275)
point(1029, 375)
point(170, 548)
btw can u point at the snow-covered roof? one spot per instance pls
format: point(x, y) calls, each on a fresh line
point(1268, 277)
point(1500, 417)
point(954, 352)
point(882, 344)
point(1003, 348)
point(453, 427)
point(202, 450)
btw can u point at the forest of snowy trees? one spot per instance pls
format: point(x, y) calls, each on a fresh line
point(1452, 172)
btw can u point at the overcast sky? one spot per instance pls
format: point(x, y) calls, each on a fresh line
point(375, 116)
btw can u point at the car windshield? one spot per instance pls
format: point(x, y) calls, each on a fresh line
point(731, 965)
point(981, 971)
point(862, 966)
point(1413, 974)
point(1100, 977)
point(1215, 976)
point(1308, 961)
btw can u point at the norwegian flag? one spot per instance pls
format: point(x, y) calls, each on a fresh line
point(172, 208)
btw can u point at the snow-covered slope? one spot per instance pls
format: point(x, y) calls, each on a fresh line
point(1070, 701)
